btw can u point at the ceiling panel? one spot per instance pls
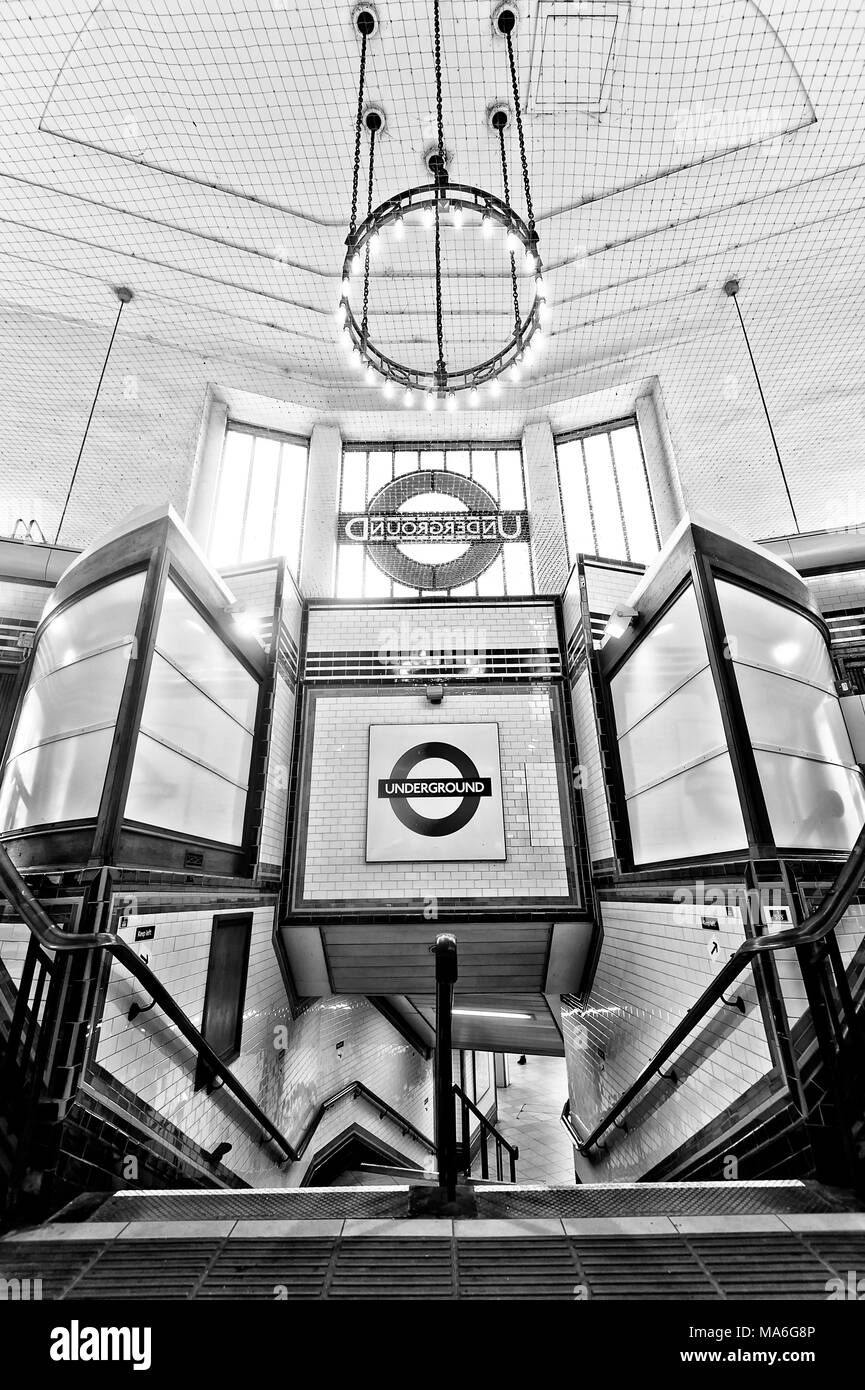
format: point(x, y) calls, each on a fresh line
point(483, 1032)
point(396, 959)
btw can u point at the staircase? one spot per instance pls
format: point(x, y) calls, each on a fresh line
point(679, 1241)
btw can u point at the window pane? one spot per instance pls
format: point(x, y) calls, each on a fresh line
point(376, 584)
point(770, 634)
point(349, 583)
point(59, 781)
point(484, 470)
point(811, 805)
point(185, 637)
point(353, 480)
point(73, 697)
point(380, 472)
point(169, 791)
point(696, 812)
point(108, 615)
point(674, 650)
point(176, 712)
point(575, 500)
point(227, 526)
point(605, 499)
point(262, 501)
point(685, 727)
point(636, 503)
point(789, 715)
point(404, 461)
point(492, 581)
point(260, 497)
point(292, 496)
point(363, 474)
point(518, 569)
point(511, 490)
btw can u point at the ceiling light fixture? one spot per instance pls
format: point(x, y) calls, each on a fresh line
point(491, 1013)
point(442, 206)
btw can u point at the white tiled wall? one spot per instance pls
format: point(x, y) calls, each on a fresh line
point(606, 586)
point(598, 830)
point(23, 600)
point(255, 589)
point(654, 964)
point(844, 590)
point(457, 627)
point(288, 1083)
point(336, 815)
point(272, 844)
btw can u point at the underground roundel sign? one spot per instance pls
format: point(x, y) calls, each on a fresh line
point(433, 529)
point(435, 792)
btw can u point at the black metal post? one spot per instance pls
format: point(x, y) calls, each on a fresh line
point(445, 951)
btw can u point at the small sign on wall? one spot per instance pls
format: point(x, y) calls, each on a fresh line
point(434, 793)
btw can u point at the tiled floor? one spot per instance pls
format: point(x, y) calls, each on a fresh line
point(529, 1111)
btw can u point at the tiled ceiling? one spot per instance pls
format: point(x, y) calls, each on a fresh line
point(200, 151)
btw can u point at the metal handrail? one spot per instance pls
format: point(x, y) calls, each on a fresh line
point(812, 930)
point(52, 938)
point(570, 1128)
point(487, 1127)
point(357, 1088)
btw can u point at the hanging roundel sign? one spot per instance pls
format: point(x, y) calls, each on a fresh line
point(444, 515)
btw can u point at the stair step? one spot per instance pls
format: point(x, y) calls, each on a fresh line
point(496, 1201)
point(427, 1260)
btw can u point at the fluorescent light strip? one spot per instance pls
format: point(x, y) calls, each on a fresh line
point(490, 1013)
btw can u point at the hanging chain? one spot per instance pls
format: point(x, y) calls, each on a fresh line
point(517, 323)
point(438, 68)
point(372, 130)
point(353, 223)
point(516, 91)
point(440, 174)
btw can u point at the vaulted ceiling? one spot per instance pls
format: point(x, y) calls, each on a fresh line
point(200, 151)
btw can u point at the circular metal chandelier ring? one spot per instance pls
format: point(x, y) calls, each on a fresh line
point(451, 196)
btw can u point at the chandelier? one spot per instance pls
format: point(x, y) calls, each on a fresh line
point(441, 207)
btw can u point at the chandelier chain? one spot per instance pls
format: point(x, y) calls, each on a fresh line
point(364, 325)
point(438, 72)
point(516, 91)
point(358, 123)
point(437, 201)
point(439, 175)
point(516, 292)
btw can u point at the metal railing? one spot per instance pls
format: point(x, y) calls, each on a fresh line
point(813, 930)
point(487, 1131)
point(357, 1089)
point(29, 1028)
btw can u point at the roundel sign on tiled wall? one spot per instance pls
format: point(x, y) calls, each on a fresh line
point(433, 529)
point(434, 793)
